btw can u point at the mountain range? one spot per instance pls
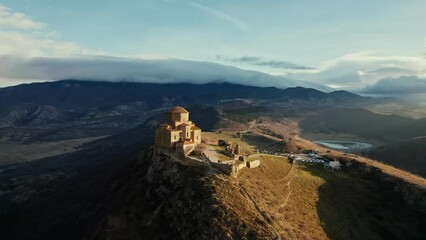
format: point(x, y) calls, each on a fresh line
point(100, 108)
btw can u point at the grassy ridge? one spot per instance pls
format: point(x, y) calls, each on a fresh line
point(322, 205)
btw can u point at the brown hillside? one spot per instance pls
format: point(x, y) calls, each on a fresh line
point(308, 202)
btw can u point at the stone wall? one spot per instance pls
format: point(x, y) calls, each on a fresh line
point(253, 164)
point(225, 168)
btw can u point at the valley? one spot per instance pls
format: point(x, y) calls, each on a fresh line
point(16, 153)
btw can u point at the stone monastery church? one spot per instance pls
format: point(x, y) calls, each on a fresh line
point(178, 132)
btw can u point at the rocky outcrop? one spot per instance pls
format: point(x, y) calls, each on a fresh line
point(167, 198)
point(187, 196)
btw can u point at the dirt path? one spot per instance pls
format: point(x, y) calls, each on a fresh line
point(264, 215)
point(252, 124)
point(211, 154)
point(289, 186)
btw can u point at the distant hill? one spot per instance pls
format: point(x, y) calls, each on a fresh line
point(75, 94)
point(30, 114)
point(409, 155)
point(364, 123)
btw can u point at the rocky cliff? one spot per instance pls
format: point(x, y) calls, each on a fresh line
point(168, 199)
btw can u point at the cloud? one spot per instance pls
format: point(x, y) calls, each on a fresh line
point(358, 70)
point(17, 20)
point(395, 86)
point(221, 15)
point(24, 37)
point(16, 43)
point(29, 52)
point(258, 61)
point(99, 68)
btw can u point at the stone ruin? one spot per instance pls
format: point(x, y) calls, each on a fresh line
point(231, 150)
point(238, 160)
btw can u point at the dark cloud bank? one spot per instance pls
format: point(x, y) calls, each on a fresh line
point(139, 70)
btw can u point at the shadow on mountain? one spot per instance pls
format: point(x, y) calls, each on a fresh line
point(406, 154)
point(59, 197)
point(364, 123)
point(69, 196)
point(259, 141)
point(353, 205)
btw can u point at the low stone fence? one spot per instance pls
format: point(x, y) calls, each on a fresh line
point(232, 167)
point(253, 164)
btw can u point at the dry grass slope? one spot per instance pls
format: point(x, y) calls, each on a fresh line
point(322, 204)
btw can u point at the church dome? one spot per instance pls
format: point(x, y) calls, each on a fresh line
point(178, 109)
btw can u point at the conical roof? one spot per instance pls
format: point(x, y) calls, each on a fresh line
point(178, 109)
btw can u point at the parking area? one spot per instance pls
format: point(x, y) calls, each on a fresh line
point(308, 158)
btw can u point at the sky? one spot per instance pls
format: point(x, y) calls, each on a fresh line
point(370, 46)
